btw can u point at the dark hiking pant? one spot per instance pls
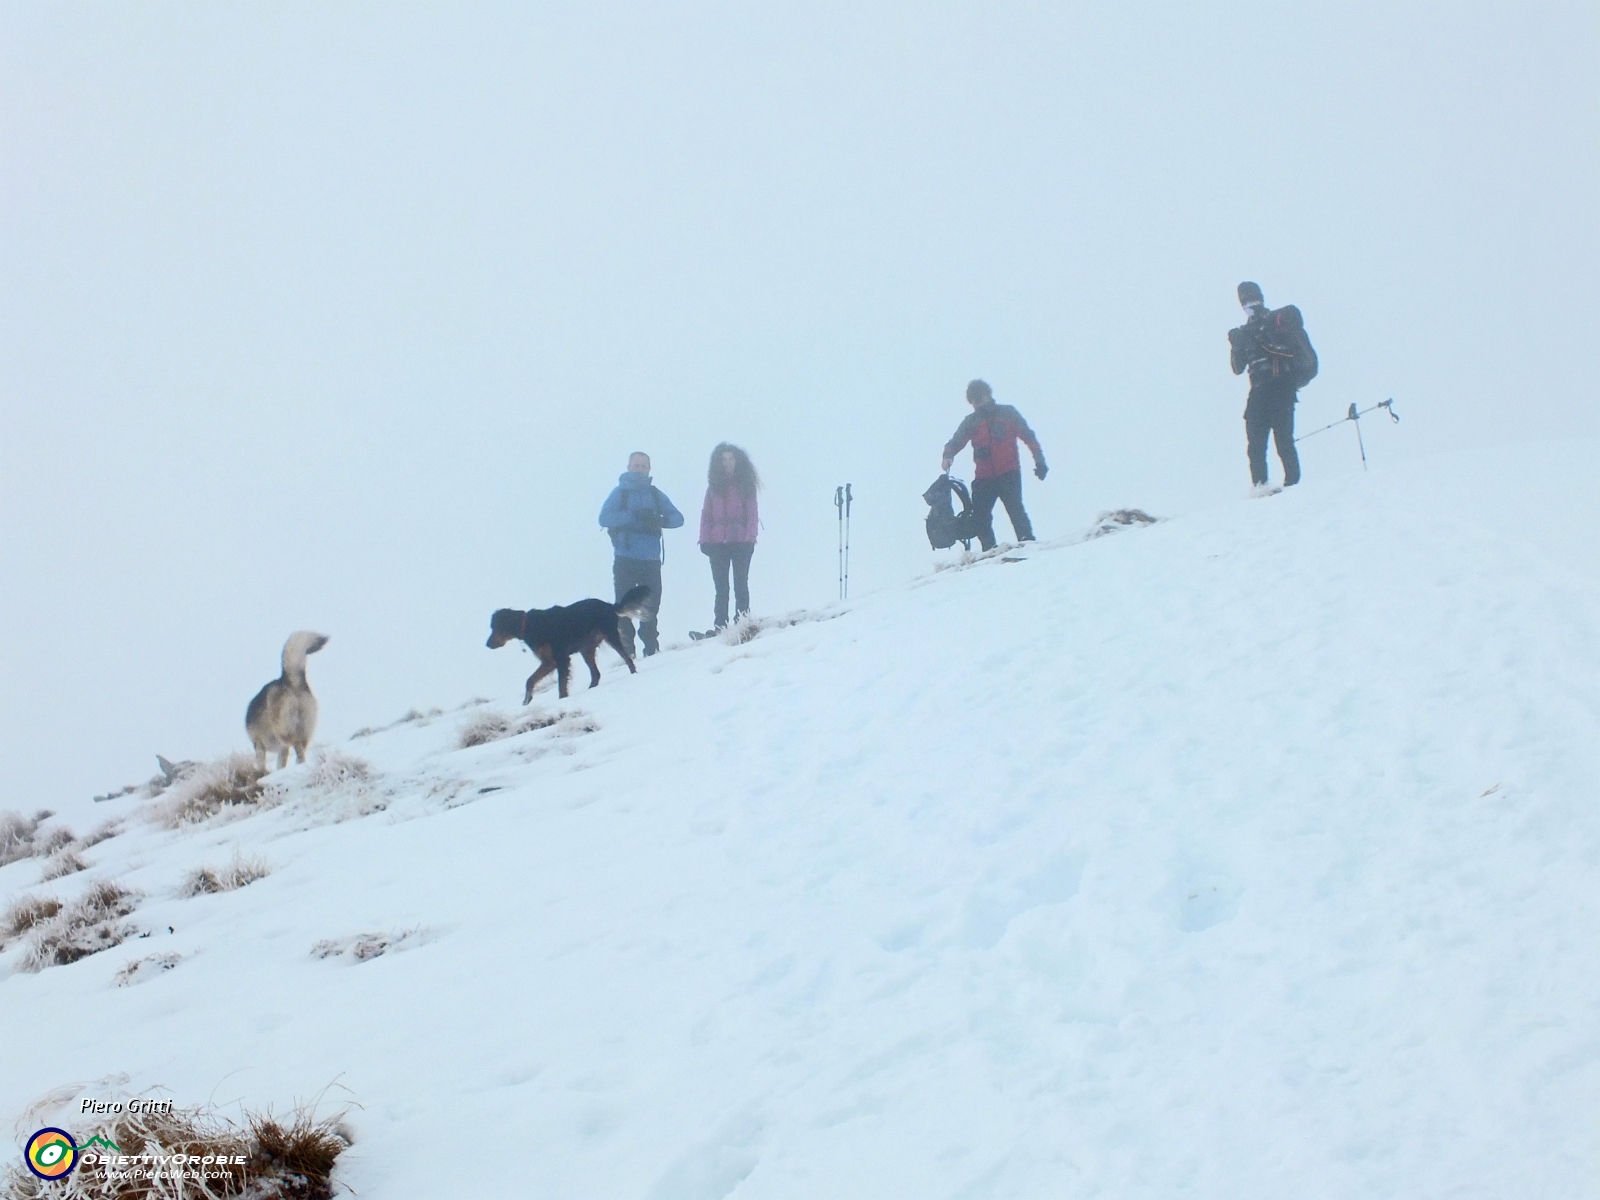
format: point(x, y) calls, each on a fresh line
point(627, 573)
point(1007, 489)
point(1271, 412)
point(736, 555)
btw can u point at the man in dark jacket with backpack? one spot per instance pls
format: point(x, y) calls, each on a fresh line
point(993, 429)
point(1273, 347)
point(634, 515)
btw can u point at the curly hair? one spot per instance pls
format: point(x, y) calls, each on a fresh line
point(744, 475)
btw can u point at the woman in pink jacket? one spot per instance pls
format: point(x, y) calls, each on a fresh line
point(728, 524)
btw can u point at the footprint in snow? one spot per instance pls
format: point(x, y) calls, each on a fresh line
point(716, 1167)
point(1203, 901)
point(992, 907)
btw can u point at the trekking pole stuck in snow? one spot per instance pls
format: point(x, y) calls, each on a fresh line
point(1356, 415)
point(845, 592)
point(841, 501)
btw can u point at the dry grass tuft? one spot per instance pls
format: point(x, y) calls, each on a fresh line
point(103, 833)
point(241, 872)
point(412, 717)
point(747, 628)
point(301, 1147)
point(53, 842)
point(105, 899)
point(364, 947)
point(88, 925)
point(743, 631)
point(16, 836)
point(1001, 550)
point(486, 727)
point(25, 914)
point(141, 969)
point(335, 770)
point(1119, 519)
point(228, 783)
point(202, 881)
point(130, 789)
point(338, 787)
point(63, 863)
point(289, 1159)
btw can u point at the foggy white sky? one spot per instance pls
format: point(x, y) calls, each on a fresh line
point(346, 316)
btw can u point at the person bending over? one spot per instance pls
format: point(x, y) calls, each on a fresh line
point(994, 430)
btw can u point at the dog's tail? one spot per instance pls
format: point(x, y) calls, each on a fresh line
point(295, 650)
point(635, 601)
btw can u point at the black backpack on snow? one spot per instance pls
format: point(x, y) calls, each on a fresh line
point(946, 527)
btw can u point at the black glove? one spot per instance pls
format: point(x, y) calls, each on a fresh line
point(649, 522)
point(1234, 335)
point(1040, 470)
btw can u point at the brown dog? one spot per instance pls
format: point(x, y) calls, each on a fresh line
point(556, 634)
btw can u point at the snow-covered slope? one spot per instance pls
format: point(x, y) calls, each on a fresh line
point(1246, 855)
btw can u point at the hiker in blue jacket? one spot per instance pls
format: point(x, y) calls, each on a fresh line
point(634, 515)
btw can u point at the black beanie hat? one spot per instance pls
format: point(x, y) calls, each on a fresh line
point(978, 390)
point(1250, 293)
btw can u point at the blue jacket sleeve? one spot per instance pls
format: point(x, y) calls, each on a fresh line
point(671, 518)
point(612, 514)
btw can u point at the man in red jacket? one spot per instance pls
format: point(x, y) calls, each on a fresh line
point(993, 430)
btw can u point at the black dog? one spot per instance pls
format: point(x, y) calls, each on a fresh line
point(556, 634)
